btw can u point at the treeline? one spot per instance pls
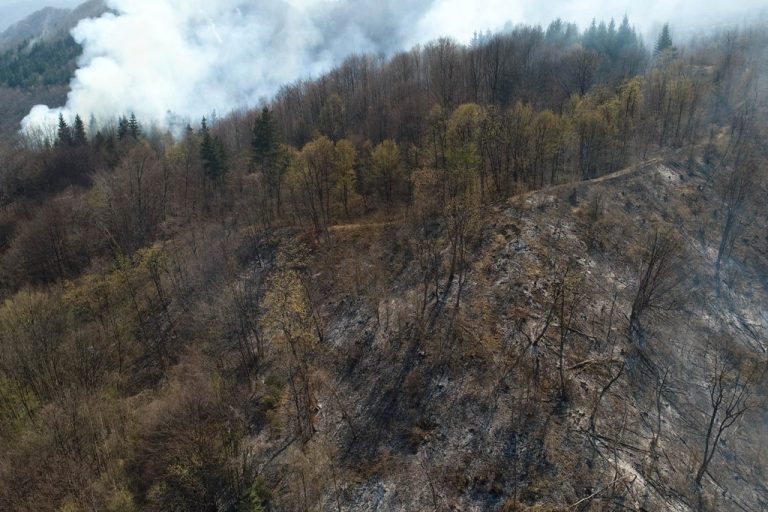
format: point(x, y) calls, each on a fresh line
point(391, 99)
point(361, 141)
point(138, 345)
point(36, 63)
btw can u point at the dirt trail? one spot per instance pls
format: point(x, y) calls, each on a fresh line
point(634, 169)
point(350, 227)
point(629, 170)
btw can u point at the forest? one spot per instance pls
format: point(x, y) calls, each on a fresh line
point(39, 63)
point(281, 308)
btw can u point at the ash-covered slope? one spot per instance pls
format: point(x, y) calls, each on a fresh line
point(530, 391)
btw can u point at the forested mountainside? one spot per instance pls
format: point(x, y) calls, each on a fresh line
point(529, 273)
point(38, 58)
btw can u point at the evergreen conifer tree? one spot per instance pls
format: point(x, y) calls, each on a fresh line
point(122, 128)
point(264, 142)
point(64, 133)
point(664, 42)
point(79, 137)
point(134, 128)
point(213, 153)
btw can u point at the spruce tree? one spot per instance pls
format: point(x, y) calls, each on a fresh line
point(266, 153)
point(264, 142)
point(122, 128)
point(64, 133)
point(664, 42)
point(134, 128)
point(79, 137)
point(213, 153)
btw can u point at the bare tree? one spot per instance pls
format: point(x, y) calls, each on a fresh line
point(567, 309)
point(602, 394)
point(653, 448)
point(730, 394)
point(655, 292)
point(735, 195)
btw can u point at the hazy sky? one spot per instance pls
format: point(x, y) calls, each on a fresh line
point(461, 18)
point(12, 11)
point(458, 18)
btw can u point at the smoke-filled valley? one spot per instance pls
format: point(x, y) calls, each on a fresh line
point(288, 256)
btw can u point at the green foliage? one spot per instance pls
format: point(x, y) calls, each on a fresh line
point(70, 136)
point(269, 156)
point(134, 128)
point(64, 133)
point(253, 499)
point(39, 63)
point(664, 42)
point(79, 138)
point(265, 141)
point(122, 127)
point(346, 177)
point(213, 154)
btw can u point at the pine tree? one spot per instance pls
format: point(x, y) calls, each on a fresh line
point(626, 34)
point(80, 139)
point(64, 133)
point(213, 153)
point(264, 142)
point(664, 42)
point(98, 140)
point(134, 128)
point(122, 128)
point(265, 146)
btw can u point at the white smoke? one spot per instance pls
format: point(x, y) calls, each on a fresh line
point(171, 59)
point(161, 59)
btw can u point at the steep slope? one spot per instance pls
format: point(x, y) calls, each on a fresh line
point(363, 298)
point(462, 408)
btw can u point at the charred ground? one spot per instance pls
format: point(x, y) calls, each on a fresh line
point(434, 282)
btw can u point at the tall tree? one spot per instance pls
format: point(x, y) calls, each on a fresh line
point(730, 396)
point(122, 128)
point(134, 128)
point(79, 137)
point(63, 133)
point(387, 167)
point(213, 153)
point(658, 283)
point(346, 159)
point(265, 141)
point(664, 42)
point(740, 186)
point(267, 156)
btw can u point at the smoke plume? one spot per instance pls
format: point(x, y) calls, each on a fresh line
point(172, 60)
point(161, 59)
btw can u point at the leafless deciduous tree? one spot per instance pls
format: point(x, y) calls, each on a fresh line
point(730, 396)
point(735, 195)
point(653, 448)
point(660, 279)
